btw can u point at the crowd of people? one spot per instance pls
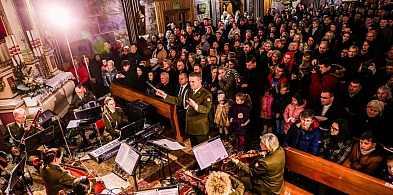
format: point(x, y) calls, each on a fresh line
point(320, 81)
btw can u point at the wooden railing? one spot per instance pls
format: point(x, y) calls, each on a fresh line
point(334, 175)
point(164, 109)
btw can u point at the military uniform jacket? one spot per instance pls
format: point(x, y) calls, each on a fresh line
point(113, 121)
point(196, 120)
point(56, 179)
point(267, 173)
point(15, 134)
point(78, 102)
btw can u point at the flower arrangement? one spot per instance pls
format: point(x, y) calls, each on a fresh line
point(28, 82)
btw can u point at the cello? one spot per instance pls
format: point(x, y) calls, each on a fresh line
point(79, 172)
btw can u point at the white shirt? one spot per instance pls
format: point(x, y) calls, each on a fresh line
point(325, 109)
point(196, 90)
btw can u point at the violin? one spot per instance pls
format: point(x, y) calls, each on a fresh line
point(79, 172)
point(254, 154)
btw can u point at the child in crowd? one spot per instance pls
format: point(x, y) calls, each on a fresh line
point(239, 115)
point(279, 104)
point(266, 111)
point(221, 117)
point(293, 110)
point(387, 173)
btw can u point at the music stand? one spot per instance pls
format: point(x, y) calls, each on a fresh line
point(88, 113)
point(130, 130)
point(41, 138)
point(168, 190)
point(17, 171)
point(127, 159)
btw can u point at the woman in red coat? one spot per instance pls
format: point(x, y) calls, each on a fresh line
point(83, 75)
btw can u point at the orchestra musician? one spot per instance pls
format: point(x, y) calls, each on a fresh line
point(114, 118)
point(82, 97)
point(78, 102)
point(54, 176)
point(265, 174)
point(16, 130)
point(81, 186)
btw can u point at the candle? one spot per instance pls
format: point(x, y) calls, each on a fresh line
point(29, 35)
point(33, 35)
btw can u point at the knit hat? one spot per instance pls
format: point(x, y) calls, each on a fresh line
point(221, 97)
point(154, 61)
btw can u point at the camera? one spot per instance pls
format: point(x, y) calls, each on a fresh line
point(365, 65)
point(310, 68)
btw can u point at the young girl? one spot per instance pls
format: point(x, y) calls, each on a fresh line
point(293, 110)
point(266, 111)
point(387, 173)
point(221, 117)
point(239, 115)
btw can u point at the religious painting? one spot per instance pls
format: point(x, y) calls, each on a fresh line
point(80, 48)
point(91, 7)
point(201, 8)
point(111, 22)
point(83, 29)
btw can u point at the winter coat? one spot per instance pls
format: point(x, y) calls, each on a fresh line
point(320, 82)
point(306, 141)
point(368, 164)
point(221, 116)
point(161, 55)
point(292, 111)
point(279, 104)
point(234, 113)
point(266, 106)
point(281, 80)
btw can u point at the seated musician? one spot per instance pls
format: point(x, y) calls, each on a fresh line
point(81, 98)
point(16, 130)
point(54, 176)
point(364, 157)
point(114, 118)
point(265, 174)
point(220, 183)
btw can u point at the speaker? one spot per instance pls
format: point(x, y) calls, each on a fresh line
point(137, 110)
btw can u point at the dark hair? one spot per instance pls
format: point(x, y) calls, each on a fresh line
point(49, 155)
point(251, 59)
point(299, 97)
point(369, 135)
point(81, 186)
point(330, 91)
point(196, 74)
point(107, 42)
point(326, 62)
point(356, 81)
point(343, 130)
point(247, 43)
point(307, 113)
point(125, 63)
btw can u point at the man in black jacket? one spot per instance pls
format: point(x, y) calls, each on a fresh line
point(253, 85)
point(125, 77)
point(354, 100)
point(134, 57)
point(328, 110)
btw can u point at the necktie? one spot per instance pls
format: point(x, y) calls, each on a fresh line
point(180, 91)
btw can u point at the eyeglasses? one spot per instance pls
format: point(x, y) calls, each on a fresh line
point(334, 129)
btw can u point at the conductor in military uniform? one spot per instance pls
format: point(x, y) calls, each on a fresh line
point(80, 99)
point(114, 118)
point(16, 130)
point(54, 176)
point(199, 102)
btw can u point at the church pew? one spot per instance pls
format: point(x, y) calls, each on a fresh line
point(293, 190)
point(164, 109)
point(333, 175)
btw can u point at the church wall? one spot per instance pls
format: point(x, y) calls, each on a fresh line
point(150, 16)
point(93, 22)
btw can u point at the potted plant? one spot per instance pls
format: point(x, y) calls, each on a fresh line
point(30, 84)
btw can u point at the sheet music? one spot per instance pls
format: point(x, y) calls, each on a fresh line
point(169, 144)
point(169, 191)
point(148, 192)
point(127, 158)
point(113, 181)
point(73, 124)
point(209, 153)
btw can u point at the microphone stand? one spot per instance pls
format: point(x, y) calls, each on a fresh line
point(62, 132)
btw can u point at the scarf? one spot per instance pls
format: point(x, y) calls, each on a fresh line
point(367, 152)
